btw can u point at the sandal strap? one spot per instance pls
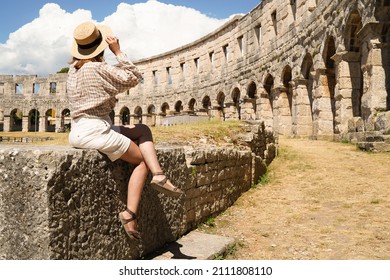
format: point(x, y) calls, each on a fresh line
point(133, 216)
point(163, 181)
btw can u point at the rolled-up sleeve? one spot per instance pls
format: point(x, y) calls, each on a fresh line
point(120, 77)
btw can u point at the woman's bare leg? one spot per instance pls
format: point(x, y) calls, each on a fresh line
point(136, 182)
point(142, 135)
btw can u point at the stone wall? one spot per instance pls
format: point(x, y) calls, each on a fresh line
point(62, 203)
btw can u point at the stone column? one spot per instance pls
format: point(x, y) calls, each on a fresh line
point(347, 89)
point(7, 123)
point(59, 124)
point(131, 119)
point(283, 110)
point(265, 111)
point(42, 123)
point(323, 103)
point(275, 92)
point(248, 109)
point(25, 124)
point(158, 120)
point(375, 96)
point(231, 111)
point(302, 121)
point(117, 120)
point(144, 118)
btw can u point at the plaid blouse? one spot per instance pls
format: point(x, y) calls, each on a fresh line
point(93, 87)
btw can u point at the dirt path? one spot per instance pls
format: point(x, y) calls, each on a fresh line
point(325, 200)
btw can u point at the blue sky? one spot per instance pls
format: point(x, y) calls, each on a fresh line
point(36, 35)
point(16, 13)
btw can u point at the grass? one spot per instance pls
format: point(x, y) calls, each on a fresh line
point(263, 180)
point(56, 138)
point(214, 131)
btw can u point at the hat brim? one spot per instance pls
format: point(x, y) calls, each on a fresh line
point(94, 51)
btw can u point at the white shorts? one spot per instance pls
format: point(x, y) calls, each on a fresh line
point(98, 134)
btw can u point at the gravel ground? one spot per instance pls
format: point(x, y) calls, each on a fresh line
point(323, 201)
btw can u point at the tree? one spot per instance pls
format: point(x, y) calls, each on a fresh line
point(64, 70)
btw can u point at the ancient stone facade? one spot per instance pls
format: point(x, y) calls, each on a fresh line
point(307, 68)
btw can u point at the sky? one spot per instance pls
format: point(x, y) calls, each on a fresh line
point(35, 35)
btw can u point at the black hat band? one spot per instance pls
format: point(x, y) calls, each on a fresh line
point(95, 43)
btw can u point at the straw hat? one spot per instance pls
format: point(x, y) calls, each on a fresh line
point(89, 40)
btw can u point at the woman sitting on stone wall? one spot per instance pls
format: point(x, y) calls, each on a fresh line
point(92, 88)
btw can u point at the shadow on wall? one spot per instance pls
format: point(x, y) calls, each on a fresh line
point(85, 198)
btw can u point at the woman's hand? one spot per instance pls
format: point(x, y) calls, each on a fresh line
point(113, 44)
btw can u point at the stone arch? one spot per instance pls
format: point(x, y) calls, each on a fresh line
point(151, 117)
point(285, 102)
point(266, 101)
point(151, 109)
point(329, 51)
point(50, 120)
point(206, 102)
point(33, 120)
point(221, 104)
point(192, 105)
point(307, 69)
point(324, 112)
point(164, 109)
point(353, 45)
point(236, 95)
point(221, 99)
point(286, 80)
point(16, 120)
point(269, 86)
point(178, 107)
point(124, 115)
point(252, 90)
point(236, 106)
point(138, 115)
point(65, 120)
point(353, 26)
point(206, 106)
point(286, 76)
point(248, 107)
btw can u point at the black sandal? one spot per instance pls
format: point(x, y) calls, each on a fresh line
point(131, 233)
point(165, 186)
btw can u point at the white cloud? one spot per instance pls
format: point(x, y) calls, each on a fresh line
point(42, 46)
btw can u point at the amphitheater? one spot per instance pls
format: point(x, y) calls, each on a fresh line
point(306, 68)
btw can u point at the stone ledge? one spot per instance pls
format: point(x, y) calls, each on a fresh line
point(195, 246)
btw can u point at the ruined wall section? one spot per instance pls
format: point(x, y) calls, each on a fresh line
point(21, 95)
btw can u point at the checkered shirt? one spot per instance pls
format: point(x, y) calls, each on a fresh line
point(92, 88)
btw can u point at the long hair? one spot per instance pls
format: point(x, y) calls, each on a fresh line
point(78, 63)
